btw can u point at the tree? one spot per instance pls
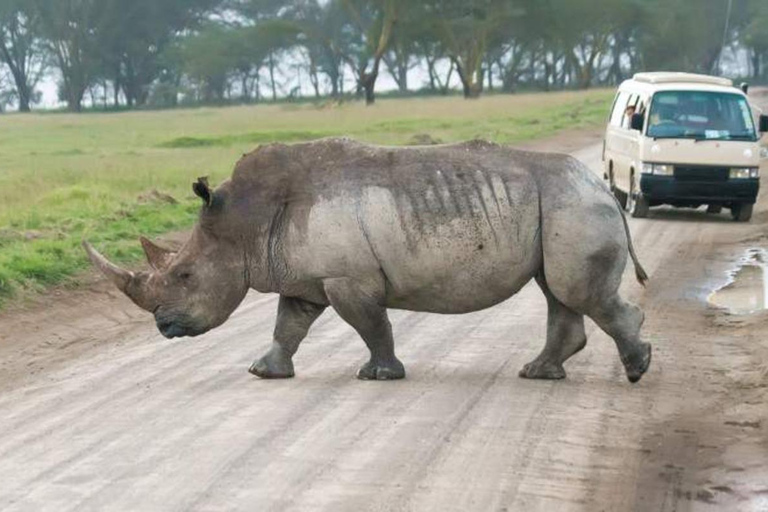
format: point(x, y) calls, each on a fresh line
point(755, 36)
point(371, 24)
point(208, 61)
point(273, 38)
point(321, 31)
point(132, 35)
point(20, 49)
point(680, 37)
point(68, 28)
point(465, 27)
point(7, 94)
point(402, 53)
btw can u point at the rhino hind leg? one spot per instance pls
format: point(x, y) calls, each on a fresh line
point(565, 337)
point(294, 318)
point(585, 250)
point(360, 305)
point(616, 317)
point(622, 321)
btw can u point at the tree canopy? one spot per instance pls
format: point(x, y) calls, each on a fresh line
point(136, 53)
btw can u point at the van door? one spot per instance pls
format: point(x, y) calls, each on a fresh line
point(626, 142)
point(614, 135)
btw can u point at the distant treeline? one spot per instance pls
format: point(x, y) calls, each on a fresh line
point(158, 53)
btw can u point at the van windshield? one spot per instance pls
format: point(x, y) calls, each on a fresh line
point(700, 115)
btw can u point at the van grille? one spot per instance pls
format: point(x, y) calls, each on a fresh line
point(701, 173)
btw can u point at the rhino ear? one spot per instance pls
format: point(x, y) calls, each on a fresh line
point(157, 257)
point(203, 190)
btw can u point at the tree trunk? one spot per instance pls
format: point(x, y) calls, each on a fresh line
point(74, 100)
point(445, 87)
point(490, 75)
point(548, 72)
point(334, 87)
point(116, 90)
point(20, 80)
point(431, 74)
point(469, 83)
point(24, 99)
point(244, 93)
point(402, 82)
point(756, 71)
point(368, 81)
point(314, 79)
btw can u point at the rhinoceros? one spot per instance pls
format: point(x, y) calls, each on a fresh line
point(362, 228)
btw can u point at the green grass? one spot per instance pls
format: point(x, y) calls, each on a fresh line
point(65, 177)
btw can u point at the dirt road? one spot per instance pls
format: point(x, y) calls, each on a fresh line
point(98, 412)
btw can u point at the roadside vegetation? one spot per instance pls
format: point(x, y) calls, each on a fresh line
point(111, 177)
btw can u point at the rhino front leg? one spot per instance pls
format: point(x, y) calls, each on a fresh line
point(361, 306)
point(294, 317)
point(565, 337)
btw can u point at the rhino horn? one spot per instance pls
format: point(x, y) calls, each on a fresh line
point(134, 286)
point(158, 257)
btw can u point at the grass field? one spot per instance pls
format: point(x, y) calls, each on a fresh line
point(65, 177)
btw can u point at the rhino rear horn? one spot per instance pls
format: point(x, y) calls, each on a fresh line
point(119, 277)
point(158, 257)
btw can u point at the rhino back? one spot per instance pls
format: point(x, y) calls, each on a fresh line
point(452, 228)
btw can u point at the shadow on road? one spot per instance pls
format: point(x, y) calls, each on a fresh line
point(689, 215)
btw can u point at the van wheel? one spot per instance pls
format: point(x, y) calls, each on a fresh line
point(618, 194)
point(637, 205)
point(621, 197)
point(741, 212)
point(714, 208)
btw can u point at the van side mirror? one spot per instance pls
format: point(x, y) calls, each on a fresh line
point(763, 123)
point(637, 121)
point(744, 87)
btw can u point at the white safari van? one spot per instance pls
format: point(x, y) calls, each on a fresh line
point(683, 140)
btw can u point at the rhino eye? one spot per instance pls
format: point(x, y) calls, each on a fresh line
point(185, 275)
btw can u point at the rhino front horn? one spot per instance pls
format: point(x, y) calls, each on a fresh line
point(119, 277)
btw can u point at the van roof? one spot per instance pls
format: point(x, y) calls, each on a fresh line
point(665, 77)
point(649, 83)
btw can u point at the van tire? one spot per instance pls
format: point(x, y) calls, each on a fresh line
point(637, 205)
point(620, 195)
point(714, 208)
point(741, 212)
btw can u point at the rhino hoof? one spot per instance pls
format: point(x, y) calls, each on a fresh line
point(638, 365)
point(381, 371)
point(542, 370)
point(267, 369)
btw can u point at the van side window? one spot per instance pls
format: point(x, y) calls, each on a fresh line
point(631, 108)
point(617, 114)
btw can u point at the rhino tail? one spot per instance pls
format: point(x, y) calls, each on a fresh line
point(640, 274)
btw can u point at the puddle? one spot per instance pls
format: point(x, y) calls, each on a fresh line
point(747, 289)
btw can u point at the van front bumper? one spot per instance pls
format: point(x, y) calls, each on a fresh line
point(671, 190)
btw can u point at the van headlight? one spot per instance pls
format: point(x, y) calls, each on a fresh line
point(740, 173)
point(658, 169)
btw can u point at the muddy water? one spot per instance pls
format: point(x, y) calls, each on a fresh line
point(747, 291)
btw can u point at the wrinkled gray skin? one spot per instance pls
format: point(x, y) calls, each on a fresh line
point(444, 229)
